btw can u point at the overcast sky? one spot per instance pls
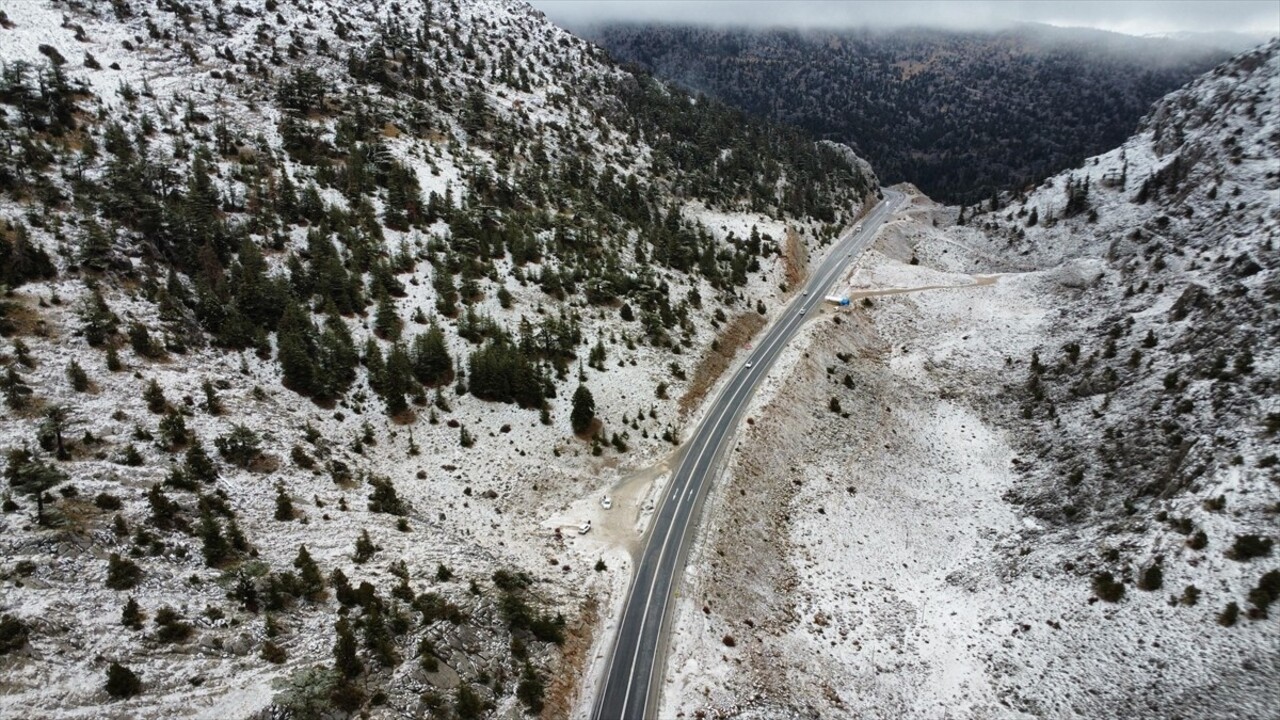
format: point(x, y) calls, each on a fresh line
point(1136, 17)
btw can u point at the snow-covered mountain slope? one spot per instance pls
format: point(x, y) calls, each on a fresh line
point(1164, 367)
point(1032, 472)
point(284, 272)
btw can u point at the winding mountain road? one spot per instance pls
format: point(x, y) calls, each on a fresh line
point(632, 680)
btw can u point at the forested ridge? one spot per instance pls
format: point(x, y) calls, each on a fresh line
point(960, 114)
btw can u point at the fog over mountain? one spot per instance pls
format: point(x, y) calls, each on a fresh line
point(1256, 18)
point(962, 114)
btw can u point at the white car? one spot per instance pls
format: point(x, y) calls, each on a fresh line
point(749, 364)
point(584, 528)
point(606, 502)
point(806, 293)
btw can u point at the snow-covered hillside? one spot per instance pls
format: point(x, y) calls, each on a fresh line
point(1032, 473)
point(284, 272)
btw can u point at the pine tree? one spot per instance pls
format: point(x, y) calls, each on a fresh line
point(198, 465)
point(122, 573)
point(376, 636)
point(235, 536)
point(29, 474)
point(154, 396)
point(446, 293)
point(384, 499)
point(132, 615)
point(212, 403)
point(432, 365)
point(584, 409)
point(531, 689)
point(284, 505)
point(78, 377)
point(386, 321)
point(375, 364)
point(173, 430)
point(345, 660)
point(312, 581)
point(398, 380)
point(52, 429)
point(215, 548)
point(364, 547)
point(296, 351)
point(240, 446)
point(17, 393)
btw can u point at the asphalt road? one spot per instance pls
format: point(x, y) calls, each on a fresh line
point(633, 676)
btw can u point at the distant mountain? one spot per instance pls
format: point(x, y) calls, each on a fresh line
point(960, 114)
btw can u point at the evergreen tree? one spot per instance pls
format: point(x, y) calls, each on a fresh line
point(284, 505)
point(240, 446)
point(386, 321)
point(78, 377)
point(376, 636)
point(364, 547)
point(154, 397)
point(384, 499)
point(398, 380)
point(122, 573)
point(584, 409)
point(503, 372)
point(132, 615)
point(337, 359)
point(165, 513)
point(17, 393)
point(29, 474)
point(198, 465)
point(212, 403)
point(375, 365)
point(531, 689)
point(215, 547)
point(311, 584)
point(100, 323)
point(432, 365)
point(297, 351)
point(51, 431)
point(122, 682)
point(173, 430)
point(345, 660)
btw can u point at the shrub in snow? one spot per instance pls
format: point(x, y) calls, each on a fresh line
point(13, 634)
point(1229, 615)
point(1107, 588)
point(1247, 547)
point(122, 573)
point(122, 682)
point(1152, 578)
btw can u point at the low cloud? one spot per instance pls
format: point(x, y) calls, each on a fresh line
point(1137, 17)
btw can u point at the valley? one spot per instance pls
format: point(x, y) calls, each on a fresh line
point(414, 358)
